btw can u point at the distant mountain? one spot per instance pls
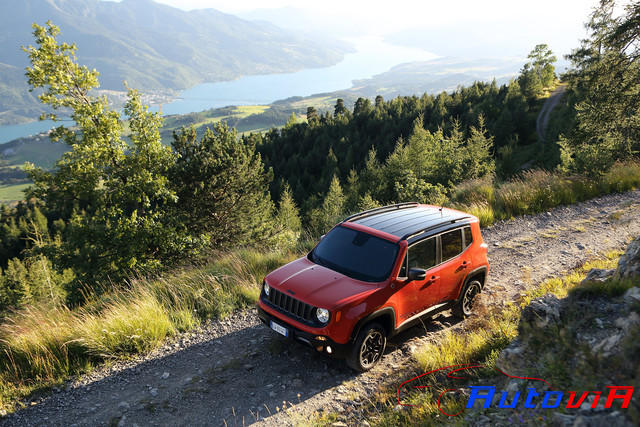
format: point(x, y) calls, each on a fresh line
point(151, 46)
point(437, 75)
point(307, 21)
point(474, 41)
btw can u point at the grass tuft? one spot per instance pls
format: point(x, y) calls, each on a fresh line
point(537, 191)
point(41, 347)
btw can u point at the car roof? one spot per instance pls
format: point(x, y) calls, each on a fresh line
point(405, 220)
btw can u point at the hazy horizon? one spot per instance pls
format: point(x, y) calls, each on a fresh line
point(514, 28)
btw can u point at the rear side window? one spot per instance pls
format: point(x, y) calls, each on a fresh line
point(468, 237)
point(451, 244)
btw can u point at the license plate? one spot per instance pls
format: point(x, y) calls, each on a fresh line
point(279, 329)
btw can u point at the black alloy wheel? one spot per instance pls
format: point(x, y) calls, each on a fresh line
point(368, 348)
point(464, 307)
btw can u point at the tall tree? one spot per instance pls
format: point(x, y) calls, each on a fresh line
point(539, 72)
point(332, 209)
point(110, 195)
point(605, 79)
point(542, 60)
point(339, 109)
point(222, 184)
point(312, 116)
point(288, 216)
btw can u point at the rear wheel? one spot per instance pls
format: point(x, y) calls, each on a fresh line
point(464, 306)
point(368, 347)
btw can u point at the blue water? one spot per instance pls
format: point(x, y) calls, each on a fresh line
point(373, 56)
point(11, 132)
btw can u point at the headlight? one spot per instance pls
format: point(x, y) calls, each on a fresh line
point(266, 288)
point(322, 314)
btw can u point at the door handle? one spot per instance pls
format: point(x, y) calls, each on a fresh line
point(429, 282)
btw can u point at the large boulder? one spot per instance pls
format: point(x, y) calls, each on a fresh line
point(598, 275)
point(629, 264)
point(542, 312)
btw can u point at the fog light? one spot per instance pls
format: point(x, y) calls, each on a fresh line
point(321, 338)
point(319, 348)
point(329, 349)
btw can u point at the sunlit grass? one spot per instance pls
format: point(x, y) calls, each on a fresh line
point(40, 347)
point(12, 193)
point(537, 191)
point(484, 337)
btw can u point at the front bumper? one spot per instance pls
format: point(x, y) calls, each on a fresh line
point(325, 345)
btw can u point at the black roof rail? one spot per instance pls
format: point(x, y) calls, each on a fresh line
point(433, 227)
point(387, 208)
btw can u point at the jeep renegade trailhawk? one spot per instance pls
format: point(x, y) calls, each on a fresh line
point(374, 274)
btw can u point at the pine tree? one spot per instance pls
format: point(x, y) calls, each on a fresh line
point(288, 216)
point(352, 191)
point(379, 102)
point(367, 202)
point(221, 184)
point(312, 116)
point(479, 161)
point(332, 209)
point(605, 79)
point(292, 121)
point(339, 109)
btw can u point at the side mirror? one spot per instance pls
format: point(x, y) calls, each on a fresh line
point(417, 274)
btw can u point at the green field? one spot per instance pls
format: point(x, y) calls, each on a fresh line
point(245, 118)
point(12, 193)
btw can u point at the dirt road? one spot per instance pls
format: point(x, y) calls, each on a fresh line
point(237, 372)
point(545, 113)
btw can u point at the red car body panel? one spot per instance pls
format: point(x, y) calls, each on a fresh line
point(350, 301)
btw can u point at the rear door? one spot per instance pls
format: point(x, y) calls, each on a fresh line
point(455, 263)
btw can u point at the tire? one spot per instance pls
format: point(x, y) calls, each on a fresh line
point(368, 348)
point(464, 306)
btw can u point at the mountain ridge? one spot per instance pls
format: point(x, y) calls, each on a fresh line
point(172, 49)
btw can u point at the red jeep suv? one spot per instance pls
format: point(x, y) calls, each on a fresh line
point(374, 274)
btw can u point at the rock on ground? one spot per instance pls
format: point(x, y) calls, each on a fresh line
point(629, 264)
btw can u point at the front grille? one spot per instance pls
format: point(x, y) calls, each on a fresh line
point(291, 306)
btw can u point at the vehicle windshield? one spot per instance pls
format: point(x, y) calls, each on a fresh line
point(356, 254)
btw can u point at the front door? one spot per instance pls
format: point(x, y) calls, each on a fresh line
point(419, 295)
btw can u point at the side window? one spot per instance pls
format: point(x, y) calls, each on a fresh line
point(451, 244)
point(422, 254)
point(468, 237)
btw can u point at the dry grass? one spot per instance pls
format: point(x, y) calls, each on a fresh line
point(40, 347)
point(538, 191)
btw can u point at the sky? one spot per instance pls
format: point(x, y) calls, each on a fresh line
point(502, 23)
point(399, 14)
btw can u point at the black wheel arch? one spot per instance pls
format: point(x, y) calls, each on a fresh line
point(385, 316)
point(479, 274)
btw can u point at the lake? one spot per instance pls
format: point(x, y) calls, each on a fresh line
point(372, 56)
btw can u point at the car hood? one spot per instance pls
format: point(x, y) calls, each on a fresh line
point(315, 284)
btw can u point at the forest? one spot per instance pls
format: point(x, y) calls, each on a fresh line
point(112, 209)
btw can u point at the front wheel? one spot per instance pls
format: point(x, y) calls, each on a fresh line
point(464, 306)
point(368, 348)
